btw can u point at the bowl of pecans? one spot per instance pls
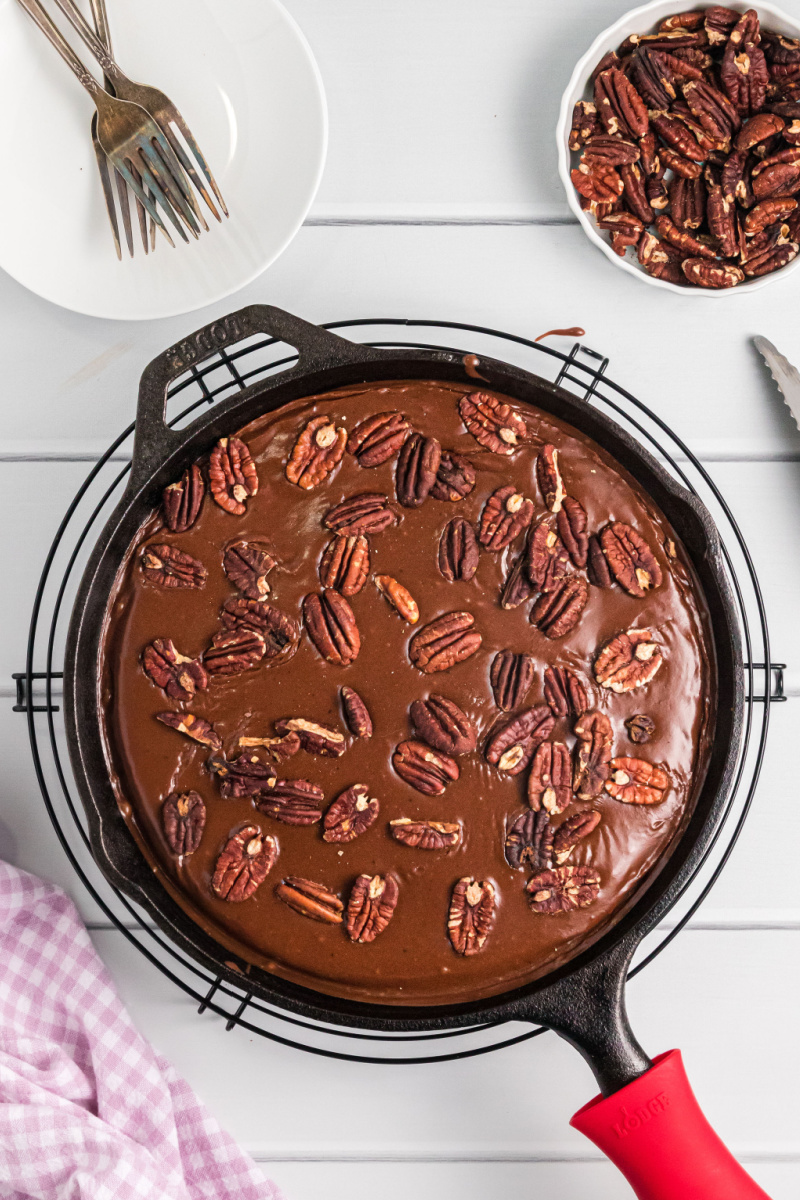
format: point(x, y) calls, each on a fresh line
point(679, 145)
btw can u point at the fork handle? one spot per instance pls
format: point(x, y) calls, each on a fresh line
point(100, 51)
point(54, 35)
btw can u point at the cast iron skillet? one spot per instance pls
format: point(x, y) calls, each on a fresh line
point(583, 1001)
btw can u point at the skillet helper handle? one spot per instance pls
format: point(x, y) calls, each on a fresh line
point(655, 1132)
point(317, 348)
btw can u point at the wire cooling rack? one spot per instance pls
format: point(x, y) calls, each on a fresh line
point(582, 371)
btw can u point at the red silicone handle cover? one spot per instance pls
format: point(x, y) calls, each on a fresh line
point(655, 1132)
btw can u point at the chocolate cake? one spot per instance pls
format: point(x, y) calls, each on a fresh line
point(407, 690)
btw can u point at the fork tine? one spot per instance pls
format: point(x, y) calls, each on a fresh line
point(191, 170)
point(193, 146)
point(167, 183)
point(153, 229)
point(125, 209)
point(142, 217)
point(105, 181)
point(145, 197)
point(182, 184)
point(150, 180)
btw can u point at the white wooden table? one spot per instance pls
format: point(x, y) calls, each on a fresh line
point(441, 200)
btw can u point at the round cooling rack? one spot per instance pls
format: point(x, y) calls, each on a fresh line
point(582, 371)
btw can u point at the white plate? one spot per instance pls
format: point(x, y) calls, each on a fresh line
point(245, 80)
point(646, 20)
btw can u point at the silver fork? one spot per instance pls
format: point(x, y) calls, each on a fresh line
point(157, 104)
point(101, 25)
point(131, 140)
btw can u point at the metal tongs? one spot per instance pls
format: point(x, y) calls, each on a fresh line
point(135, 128)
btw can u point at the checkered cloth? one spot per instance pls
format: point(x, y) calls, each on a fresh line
point(88, 1110)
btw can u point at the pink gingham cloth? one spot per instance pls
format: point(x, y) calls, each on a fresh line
point(88, 1110)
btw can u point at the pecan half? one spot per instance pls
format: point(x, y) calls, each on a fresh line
point(375, 440)
point(529, 841)
point(331, 625)
point(311, 899)
point(428, 771)
point(571, 523)
point(563, 889)
point(247, 565)
point(511, 747)
point(276, 748)
point(610, 151)
point(688, 202)
point(585, 123)
point(681, 239)
point(280, 633)
point(345, 564)
point(183, 500)
point(232, 475)
point(743, 72)
point(634, 781)
point(597, 567)
point(455, 478)
point(492, 422)
point(630, 558)
point(243, 864)
point(183, 819)
point(369, 512)
point(178, 676)
point(316, 452)
point(721, 216)
point(442, 724)
point(564, 692)
point(505, 516)
point(767, 212)
point(619, 106)
point(640, 728)
point(458, 551)
point(758, 129)
point(399, 597)
point(350, 815)
point(511, 677)
point(292, 801)
point(233, 651)
point(628, 661)
point(471, 915)
point(517, 587)
point(169, 567)
point(370, 907)
point(548, 476)
point(592, 754)
point(652, 78)
point(548, 559)
point(246, 775)
point(448, 640)
point(600, 185)
point(711, 274)
point(417, 466)
point(712, 109)
point(315, 737)
point(556, 613)
point(571, 831)
point(673, 161)
point(659, 260)
point(719, 21)
point(549, 782)
point(635, 191)
point(356, 713)
point(196, 728)
point(770, 259)
point(425, 835)
point(778, 175)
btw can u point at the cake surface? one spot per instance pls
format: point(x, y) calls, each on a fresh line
point(514, 823)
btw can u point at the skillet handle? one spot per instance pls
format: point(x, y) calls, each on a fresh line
point(654, 1130)
point(316, 347)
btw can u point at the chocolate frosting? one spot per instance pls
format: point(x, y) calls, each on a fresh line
point(412, 961)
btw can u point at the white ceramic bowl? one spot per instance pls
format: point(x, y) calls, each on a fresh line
point(646, 20)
